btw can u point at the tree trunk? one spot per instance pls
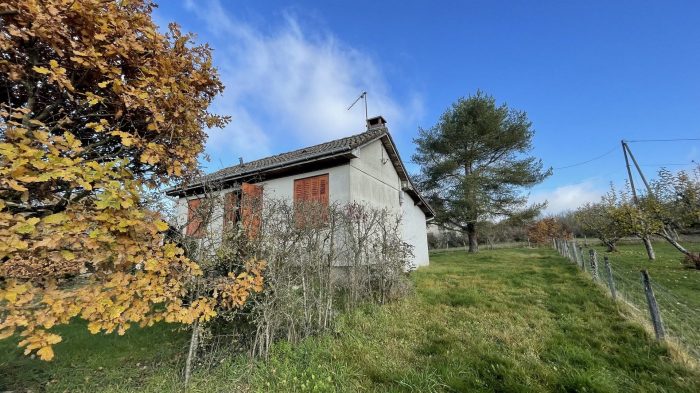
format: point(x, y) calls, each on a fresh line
point(611, 246)
point(471, 234)
point(194, 343)
point(693, 257)
point(649, 248)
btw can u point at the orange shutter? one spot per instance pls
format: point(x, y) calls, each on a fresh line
point(298, 190)
point(309, 191)
point(323, 190)
point(251, 208)
point(194, 219)
point(230, 208)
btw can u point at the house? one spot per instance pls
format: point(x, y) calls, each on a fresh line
point(364, 168)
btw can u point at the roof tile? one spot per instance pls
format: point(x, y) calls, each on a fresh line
point(347, 143)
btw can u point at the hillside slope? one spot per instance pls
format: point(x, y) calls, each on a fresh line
point(501, 321)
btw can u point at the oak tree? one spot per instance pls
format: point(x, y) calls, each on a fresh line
point(97, 105)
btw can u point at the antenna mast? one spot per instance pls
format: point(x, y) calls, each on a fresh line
point(362, 96)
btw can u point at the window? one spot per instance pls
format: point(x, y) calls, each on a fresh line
point(251, 208)
point(232, 213)
point(312, 189)
point(195, 222)
point(311, 200)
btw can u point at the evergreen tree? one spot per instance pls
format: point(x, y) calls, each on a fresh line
point(474, 164)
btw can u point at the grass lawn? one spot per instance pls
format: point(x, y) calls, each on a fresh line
point(511, 320)
point(677, 288)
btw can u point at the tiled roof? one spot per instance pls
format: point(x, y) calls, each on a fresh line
point(323, 150)
point(280, 160)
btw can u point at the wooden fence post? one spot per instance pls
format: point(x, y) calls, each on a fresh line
point(594, 264)
point(611, 281)
point(561, 248)
point(579, 252)
point(572, 251)
point(653, 307)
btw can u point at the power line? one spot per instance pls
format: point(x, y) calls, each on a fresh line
point(670, 164)
point(587, 161)
point(664, 140)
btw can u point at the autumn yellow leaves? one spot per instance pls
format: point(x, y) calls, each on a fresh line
point(99, 107)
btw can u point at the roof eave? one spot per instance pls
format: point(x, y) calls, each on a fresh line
point(180, 191)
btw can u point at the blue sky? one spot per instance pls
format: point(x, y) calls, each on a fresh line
point(587, 73)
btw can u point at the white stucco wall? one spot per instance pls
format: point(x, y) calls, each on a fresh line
point(370, 178)
point(373, 180)
point(415, 230)
point(338, 184)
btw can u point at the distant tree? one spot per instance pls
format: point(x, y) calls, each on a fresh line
point(659, 213)
point(675, 206)
point(599, 218)
point(679, 197)
point(542, 231)
point(472, 164)
point(635, 218)
point(507, 230)
point(568, 220)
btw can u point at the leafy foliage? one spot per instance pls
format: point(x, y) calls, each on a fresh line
point(472, 168)
point(96, 107)
point(544, 230)
point(672, 206)
point(678, 196)
point(599, 218)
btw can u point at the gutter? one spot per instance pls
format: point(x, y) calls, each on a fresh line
point(173, 191)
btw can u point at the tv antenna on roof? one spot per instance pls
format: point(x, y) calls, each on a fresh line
point(362, 96)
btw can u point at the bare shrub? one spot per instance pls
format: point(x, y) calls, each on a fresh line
point(320, 260)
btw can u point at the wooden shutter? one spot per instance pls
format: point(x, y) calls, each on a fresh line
point(312, 189)
point(194, 218)
point(323, 190)
point(311, 195)
point(299, 190)
point(230, 208)
point(251, 208)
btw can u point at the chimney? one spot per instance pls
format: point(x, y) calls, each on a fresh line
point(240, 160)
point(376, 122)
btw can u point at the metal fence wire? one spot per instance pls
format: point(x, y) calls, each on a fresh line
point(671, 316)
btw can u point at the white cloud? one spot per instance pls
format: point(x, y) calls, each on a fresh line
point(288, 85)
point(567, 197)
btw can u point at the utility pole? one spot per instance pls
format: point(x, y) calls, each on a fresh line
point(626, 150)
point(629, 171)
point(639, 170)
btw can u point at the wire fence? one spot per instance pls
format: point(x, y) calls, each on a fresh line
point(672, 317)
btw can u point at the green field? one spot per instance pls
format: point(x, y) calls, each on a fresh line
point(512, 320)
point(677, 288)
